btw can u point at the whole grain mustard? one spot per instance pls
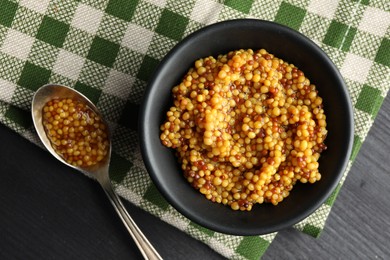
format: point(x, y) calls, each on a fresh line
point(75, 131)
point(247, 126)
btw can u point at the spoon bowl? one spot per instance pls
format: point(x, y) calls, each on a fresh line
point(98, 171)
point(50, 92)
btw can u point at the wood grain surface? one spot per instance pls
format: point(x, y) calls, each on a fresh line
point(47, 211)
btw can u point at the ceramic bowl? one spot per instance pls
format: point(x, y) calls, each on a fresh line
point(284, 43)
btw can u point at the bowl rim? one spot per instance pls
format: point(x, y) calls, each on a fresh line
point(143, 128)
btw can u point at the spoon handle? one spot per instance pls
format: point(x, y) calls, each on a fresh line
point(146, 248)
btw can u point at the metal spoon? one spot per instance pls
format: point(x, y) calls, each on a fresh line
point(99, 171)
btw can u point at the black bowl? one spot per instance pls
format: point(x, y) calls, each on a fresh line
point(286, 44)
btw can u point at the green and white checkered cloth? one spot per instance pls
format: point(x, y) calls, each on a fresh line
point(107, 49)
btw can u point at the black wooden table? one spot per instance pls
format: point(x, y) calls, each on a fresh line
point(48, 211)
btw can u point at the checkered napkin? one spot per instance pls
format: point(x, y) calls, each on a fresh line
point(108, 49)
